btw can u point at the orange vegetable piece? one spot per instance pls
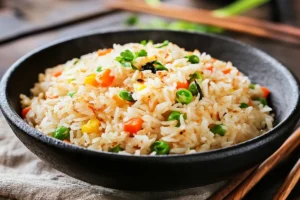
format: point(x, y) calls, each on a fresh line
point(67, 141)
point(265, 91)
point(103, 52)
point(133, 125)
point(226, 71)
point(57, 74)
point(210, 68)
point(106, 79)
point(120, 102)
point(25, 111)
point(52, 97)
point(182, 85)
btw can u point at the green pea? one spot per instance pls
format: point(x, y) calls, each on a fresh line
point(144, 42)
point(193, 59)
point(184, 96)
point(71, 94)
point(196, 76)
point(61, 133)
point(160, 147)
point(263, 101)
point(244, 105)
point(126, 96)
point(252, 86)
point(218, 129)
point(175, 115)
point(193, 89)
point(99, 69)
point(116, 149)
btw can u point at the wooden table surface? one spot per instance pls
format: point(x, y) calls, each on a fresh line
point(11, 51)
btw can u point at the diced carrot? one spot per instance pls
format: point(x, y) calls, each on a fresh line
point(103, 52)
point(67, 141)
point(213, 60)
point(25, 111)
point(265, 91)
point(94, 109)
point(57, 74)
point(52, 97)
point(226, 71)
point(133, 125)
point(106, 79)
point(182, 85)
point(210, 68)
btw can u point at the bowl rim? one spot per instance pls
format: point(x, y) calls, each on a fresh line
point(13, 117)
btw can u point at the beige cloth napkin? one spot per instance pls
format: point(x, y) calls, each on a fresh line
point(24, 176)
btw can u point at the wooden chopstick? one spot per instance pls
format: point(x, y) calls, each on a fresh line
point(240, 24)
point(289, 183)
point(231, 185)
point(284, 151)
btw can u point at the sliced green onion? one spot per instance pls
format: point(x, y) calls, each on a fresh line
point(263, 101)
point(61, 133)
point(184, 96)
point(252, 86)
point(165, 43)
point(116, 149)
point(218, 129)
point(196, 76)
point(193, 59)
point(160, 147)
point(244, 105)
point(126, 96)
point(199, 90)
point(159, 67)
point(71, 94)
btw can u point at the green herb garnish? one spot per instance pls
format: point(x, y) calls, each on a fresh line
point(159, 67)
point(116, 149)
point(71, 94)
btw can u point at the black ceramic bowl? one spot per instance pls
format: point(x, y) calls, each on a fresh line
point(153, 172)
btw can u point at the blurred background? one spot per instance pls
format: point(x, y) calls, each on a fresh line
point(28, 24)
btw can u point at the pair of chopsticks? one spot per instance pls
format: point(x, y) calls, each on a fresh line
point(241, 24)
point(239, 186)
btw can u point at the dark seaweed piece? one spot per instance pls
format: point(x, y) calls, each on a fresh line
point(199, 90)
point(149, 66)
